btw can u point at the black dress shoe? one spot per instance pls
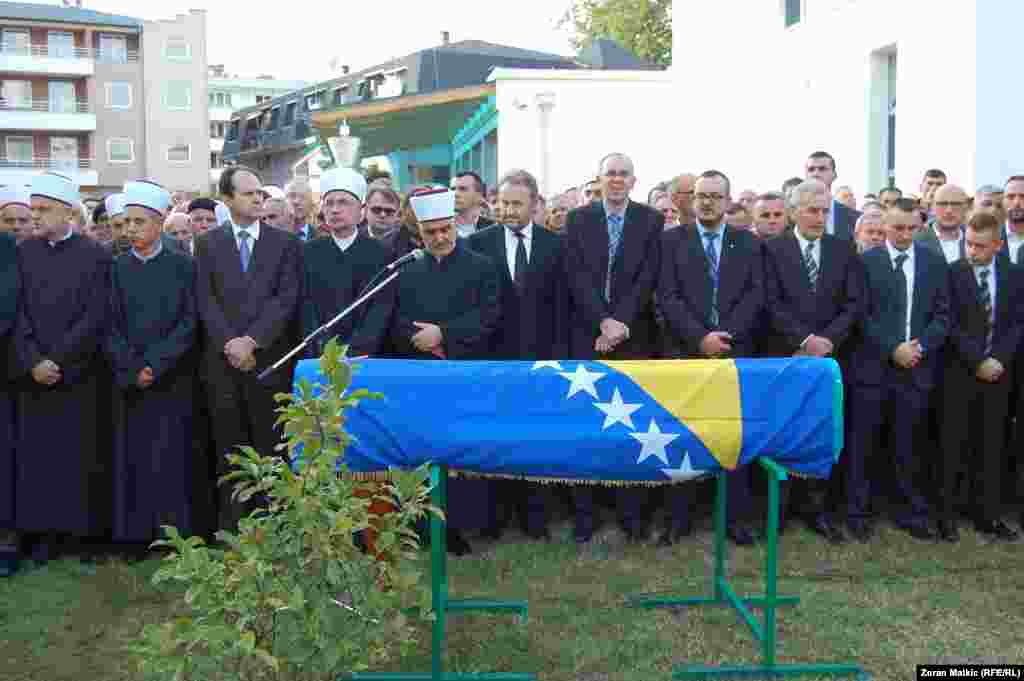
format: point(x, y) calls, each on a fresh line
point(831, 533)
point(948, 531)
point(457, 544)
point(582, 539)
point(861, 530)
point(920, 531)
point(997, 530)
point(741, 535)
point(674, 533)
point(539, 535)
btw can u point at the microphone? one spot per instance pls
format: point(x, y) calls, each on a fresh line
point(406, 259)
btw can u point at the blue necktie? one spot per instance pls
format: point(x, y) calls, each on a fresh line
point(712, 257)
point(243, 249)
point(614, 239)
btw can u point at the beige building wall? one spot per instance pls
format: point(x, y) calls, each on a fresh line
point(116, 123)
point(175, 62)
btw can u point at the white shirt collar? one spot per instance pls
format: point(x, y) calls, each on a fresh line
point(147, 258)
point(608, 212)
point(253, 229)
point(938, 232)
point(803, 242)
point(67, 236)
point(895, 252)
point(527, 231)
point(346, 242)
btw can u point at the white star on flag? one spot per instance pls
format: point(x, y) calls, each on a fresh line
point(617, 411)
point(654, 443)
point(582, 380)
point(546, 365)
point(684, 472)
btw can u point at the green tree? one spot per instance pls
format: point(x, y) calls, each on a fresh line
point(644, 27)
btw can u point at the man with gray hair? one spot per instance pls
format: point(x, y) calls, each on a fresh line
point(680, 189)
point(989, 199)
point(813, 293)
point(840, 220)
point(614, 251)
point(870, 231)
point(278, 213)
point(534, 307)
point(299, 195)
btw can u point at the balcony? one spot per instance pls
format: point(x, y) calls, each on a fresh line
point(59, 60)
point(268, 141)
point(45, 114)
point(21, 171)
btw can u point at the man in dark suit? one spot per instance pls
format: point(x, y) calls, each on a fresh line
point(895, 359)
point(613, 249)
point(945, 235)
point(1013, 231)
point(987, 328)
point(711, 295)
point(249, 282)
point(469, 191)
point(1013, 209)
point(534, 304)
point(841, 220)
point(813, 291)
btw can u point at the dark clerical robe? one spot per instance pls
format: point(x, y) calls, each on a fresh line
point(9, 290)
point(153, 324)
point(63, 475)
point(334, 279)
point(460, 294)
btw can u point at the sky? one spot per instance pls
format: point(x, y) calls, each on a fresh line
point(296, 40)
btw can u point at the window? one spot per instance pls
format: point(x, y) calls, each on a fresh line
point(793, 11)
point(20, 150)
point(16, 94)
point(120, 150)
point(339, 95)
point(113, 49)
point(216, 130)
point(262, 98)
point(60, 44)
point(179, 153)
point(314, 100)
point(64, 153)
point(227, 99)
point(177, 49)
point(216, 160)
point(178, 95)
point(233, 130)
point(16, 42)
point(119, 95)
point(275, 117)
point(62, 96)
point(289, 113)
point(212, 100)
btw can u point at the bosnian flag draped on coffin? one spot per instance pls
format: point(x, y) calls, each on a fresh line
point(643, 422)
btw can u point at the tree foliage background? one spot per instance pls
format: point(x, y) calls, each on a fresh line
point(644, 27)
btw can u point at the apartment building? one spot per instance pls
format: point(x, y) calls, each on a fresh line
point(230, 92)
point(102, 97)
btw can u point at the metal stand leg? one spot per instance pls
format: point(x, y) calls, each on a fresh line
point(442, 605)
point(722, 594)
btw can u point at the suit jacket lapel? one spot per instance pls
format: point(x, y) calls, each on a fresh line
point(698, 262)
point(1002, 292)
point(502, 251)
point(600, 238)
point(725, 265)
point(630, 245)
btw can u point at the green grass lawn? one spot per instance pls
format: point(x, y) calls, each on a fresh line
point(888, 605)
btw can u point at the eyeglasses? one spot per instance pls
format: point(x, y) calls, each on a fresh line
point(949, 204)
point(383, 210)
point(715, 198)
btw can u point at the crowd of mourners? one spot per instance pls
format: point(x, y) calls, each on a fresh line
point(135, 324)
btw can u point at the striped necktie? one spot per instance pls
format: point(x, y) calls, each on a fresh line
point(985, 298)
point(812, 267)
point(712, 262)
point(614, 240)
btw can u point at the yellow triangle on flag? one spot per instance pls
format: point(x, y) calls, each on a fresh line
point(703, 394)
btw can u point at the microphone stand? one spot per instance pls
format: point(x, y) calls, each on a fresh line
point(327, 327)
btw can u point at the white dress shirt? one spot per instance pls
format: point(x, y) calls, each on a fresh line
point(908, 272)
point(950, 247)
point(830, 224)
point(146, 258)
point(815, 252)
point(67, 236)
point(346, 242)
point(254, 234)
point(1013, 244)
point(512, 243)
